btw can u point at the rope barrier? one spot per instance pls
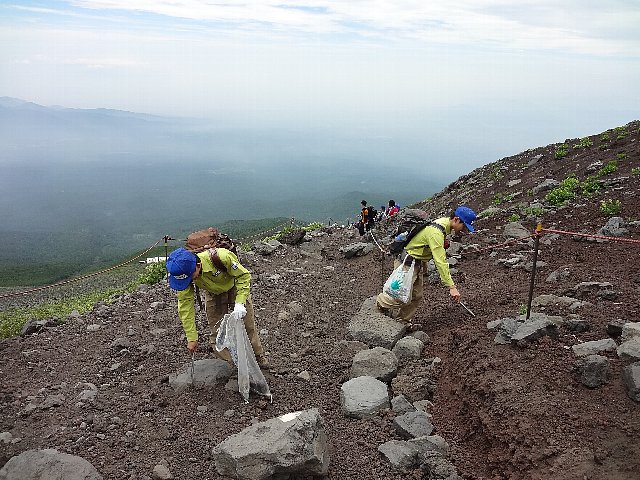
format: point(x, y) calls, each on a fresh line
point(604, 237)
point(83, 277)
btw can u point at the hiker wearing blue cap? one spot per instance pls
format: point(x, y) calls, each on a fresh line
point(226, 284)
point(427, 244)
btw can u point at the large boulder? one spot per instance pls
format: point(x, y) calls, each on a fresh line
point(48, 464)
point(293, 444)
point(363, 396)
point(373, 328)
point(207, 373)
point(377, 362)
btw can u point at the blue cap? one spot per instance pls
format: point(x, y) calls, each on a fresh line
point(181, 264)
point(467, 216)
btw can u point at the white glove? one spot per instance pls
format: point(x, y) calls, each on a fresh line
point(240, 310)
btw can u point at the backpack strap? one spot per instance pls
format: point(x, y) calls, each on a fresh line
point(215, 259)
point(438, 226)
point(198, 298)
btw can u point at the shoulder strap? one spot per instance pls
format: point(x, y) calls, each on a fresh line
point(215, 259)
point(438, 226)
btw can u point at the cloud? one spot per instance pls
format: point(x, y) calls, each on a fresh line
point(571, 26)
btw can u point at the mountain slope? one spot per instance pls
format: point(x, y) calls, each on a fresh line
point(507, 412)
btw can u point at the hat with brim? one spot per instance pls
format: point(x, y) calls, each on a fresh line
point(467, 216)
point(181, 264)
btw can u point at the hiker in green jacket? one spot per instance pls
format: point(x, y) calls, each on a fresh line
point(426, 245)
point(226, 289)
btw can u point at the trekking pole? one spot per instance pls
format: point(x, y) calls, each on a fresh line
point(193, 368)
point(467, 309)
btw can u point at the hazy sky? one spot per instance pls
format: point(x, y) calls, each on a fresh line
point(489, 69)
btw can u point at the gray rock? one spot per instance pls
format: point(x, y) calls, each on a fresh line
point(594, 347)
point(207, 374)
point(399, 454)
point(593, 370)
point(48, 464)
point(553, 300)
point(615, 227)
point(400, 404)
point(377, 362)
point(408, 348)
point(585, 289)
point(263, 248)
point(34, 326)
point(547, 184)
point(53, 401)
point(631, 376)
point(121, 343)
point(630, 330)
point(356, 249)
point(614, 328)
point(577, 325)
point(294, 444)
point(536, 327)
point(630, 350)
point(505, 330)
point(161, 472)
point(431, 443)
point(558, 275)
point(422, 336)
point(363, 396)
point(373, 328)
point(413, 424)
point(436, 466)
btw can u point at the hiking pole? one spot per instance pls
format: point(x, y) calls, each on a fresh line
point(193, 368)
point(467, 309)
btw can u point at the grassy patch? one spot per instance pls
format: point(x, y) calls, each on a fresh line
point(584, 143)
point(562, 150)
point(610, 207)
point(610, 167)
point(12, 320)
point(591, 186)
point(563, 192)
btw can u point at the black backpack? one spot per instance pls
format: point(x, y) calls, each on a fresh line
point(407, 230)
point(371, 214)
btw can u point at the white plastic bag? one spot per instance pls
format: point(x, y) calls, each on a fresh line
point(400, 283)
point(232, 335)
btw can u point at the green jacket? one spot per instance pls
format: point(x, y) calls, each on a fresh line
point(216, 282)
point(428, 244)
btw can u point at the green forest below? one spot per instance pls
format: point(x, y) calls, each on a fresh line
point(42, 258)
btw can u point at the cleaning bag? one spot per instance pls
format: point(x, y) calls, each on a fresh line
point(232, 335)
point(400, 283)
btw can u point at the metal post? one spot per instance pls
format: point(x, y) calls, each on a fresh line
point(536, 244)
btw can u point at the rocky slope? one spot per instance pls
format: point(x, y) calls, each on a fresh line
point(507, 411)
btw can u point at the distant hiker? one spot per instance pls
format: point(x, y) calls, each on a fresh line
point(428, 243)
point(393, 209)
point(367, 218)
point(382, 213)
point(224, 291)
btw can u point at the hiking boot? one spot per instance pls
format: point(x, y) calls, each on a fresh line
point(263, 363)
point(385, 311)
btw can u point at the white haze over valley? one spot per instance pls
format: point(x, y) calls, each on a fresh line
point(190, 112)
